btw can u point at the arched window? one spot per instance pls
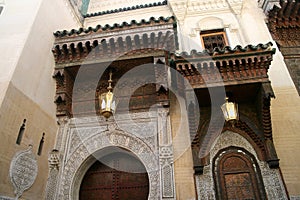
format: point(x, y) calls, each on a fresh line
point(237, 175)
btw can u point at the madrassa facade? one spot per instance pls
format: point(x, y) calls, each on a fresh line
point(177, 99)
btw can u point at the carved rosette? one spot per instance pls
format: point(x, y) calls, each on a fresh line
point(23, 171)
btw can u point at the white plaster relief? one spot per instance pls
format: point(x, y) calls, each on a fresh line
point(207, 7)
point(23, 171)
point(85, 136)
point(107, 139)
point(123, 33)
point(271, 177)
point(166, 155)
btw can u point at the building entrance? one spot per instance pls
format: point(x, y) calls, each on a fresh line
point(119, 175)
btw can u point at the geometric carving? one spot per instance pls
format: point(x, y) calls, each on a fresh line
point(272, 179)
point(23, 171)
point(222, 65)
point(54, 159)
point(167, 181)
point(166, 154)
point(237, 175)
point(53, 173)
point(93, 141)
point(109, 41)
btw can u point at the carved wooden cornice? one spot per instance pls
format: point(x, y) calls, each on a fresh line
point(284, 23)
point(97, 44)
point(227, 66)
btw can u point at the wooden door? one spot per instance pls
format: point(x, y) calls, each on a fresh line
point(117, 176)
point(238, 177)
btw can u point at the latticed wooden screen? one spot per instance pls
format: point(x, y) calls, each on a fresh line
point(213, 39)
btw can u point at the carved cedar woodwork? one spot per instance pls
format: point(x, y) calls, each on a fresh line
point(226, 66)
point(227, 141)
point(254, 125)
point(271, 156)
point(237, 176)
point(144, 42)
point(284, 25)
point(109, 42)
point(240, 70)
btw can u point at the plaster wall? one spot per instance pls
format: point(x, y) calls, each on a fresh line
point(34, 69)
point(15, 108)
point(104, 5)
point(183, 161)
point(285, 111)
point(15, 22)
point(285, 108)
point(26, 85)
point(247, 25)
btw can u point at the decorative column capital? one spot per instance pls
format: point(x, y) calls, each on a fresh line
point(54, 159)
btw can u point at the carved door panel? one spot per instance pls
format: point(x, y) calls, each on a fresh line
point(237, 178)
point(117, 176)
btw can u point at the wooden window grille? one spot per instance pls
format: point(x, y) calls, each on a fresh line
point(213, 38)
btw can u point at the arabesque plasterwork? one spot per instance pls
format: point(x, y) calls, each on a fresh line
point(271, 177)
point(83, 138)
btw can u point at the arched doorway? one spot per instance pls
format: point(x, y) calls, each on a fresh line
point(237, 175)
point(118, 175)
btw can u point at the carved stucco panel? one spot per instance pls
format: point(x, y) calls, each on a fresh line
point(23, 171)
point(105, 139)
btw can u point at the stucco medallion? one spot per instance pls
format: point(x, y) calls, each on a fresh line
point(23, 171)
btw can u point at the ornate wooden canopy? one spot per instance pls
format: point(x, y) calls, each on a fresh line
point(107, 43)
point(243, 72)
point(284, 23)
point(284, 26)
point(225, 66)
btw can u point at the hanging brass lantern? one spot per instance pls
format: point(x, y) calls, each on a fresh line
point(106, 100)
point(230, 110)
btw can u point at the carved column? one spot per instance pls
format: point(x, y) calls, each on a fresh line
point(51, 189)
point(62, 132)
point(166, 154)
point(55, 158)
point(164, 131)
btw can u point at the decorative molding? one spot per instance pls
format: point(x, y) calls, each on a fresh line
point(23, 171)
point(166, 155)
point(225, 66)
point(84, 138)
point(54, 162)
point(183, 8)
point(99, 141)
